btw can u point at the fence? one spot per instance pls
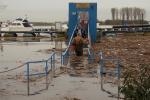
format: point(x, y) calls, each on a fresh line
point(49, 67)
point(111, 66)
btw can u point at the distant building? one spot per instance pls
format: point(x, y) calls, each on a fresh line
point(104, 26)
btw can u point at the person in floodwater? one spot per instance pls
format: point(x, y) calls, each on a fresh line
point(78, 43)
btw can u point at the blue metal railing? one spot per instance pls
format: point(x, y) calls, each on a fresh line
point(65, 54)
point(91, 56)
point(50, 60)
point(103, 70)
point(102, 62)
point(89, 37)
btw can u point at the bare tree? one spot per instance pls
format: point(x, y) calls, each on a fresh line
point(117, 13)
point(130, 13)
point(127, 13)
point(120, 14)
point(135, 13)
point(139, 13)
point(123, 13)
point(113, 13)
point(143, 13)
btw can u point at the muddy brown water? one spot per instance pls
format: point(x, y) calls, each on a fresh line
point(15, 51)
point(80, 67)
point(80, 83)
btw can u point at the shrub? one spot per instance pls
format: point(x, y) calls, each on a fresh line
point(136, 83)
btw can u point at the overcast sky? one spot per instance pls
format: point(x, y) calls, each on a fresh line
point(57, 10)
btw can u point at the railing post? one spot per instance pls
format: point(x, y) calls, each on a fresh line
point(92, 56)
point(101, 69)
point(54, 64)
point(46, 71)
point(118, 67)
point(89, 57)
point(51, 67)
point(54, 59)
point(51, 62)
point(102, 72)
point(61, 59)
point(28, 79)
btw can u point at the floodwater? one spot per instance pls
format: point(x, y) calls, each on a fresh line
point(80, 83)
point(15, 51)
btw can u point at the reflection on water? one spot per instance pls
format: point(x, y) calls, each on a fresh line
point(1, 48)
point(25, 39)
point(14, 53)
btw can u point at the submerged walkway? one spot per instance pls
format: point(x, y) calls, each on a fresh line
point(79, 67)
point(80, 82)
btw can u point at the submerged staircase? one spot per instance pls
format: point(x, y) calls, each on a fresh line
point(80, 65)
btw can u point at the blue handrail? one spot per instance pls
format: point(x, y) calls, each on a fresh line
point(51, 59)
point(89, 37)
point(70, 41)
point(67, 49)
point(90, 50)
point(46, 72)
point(90, 55)
point(104, 60)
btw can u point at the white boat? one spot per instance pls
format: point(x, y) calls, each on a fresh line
point(20, 25)
point(4, 26)
point(17, 25)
